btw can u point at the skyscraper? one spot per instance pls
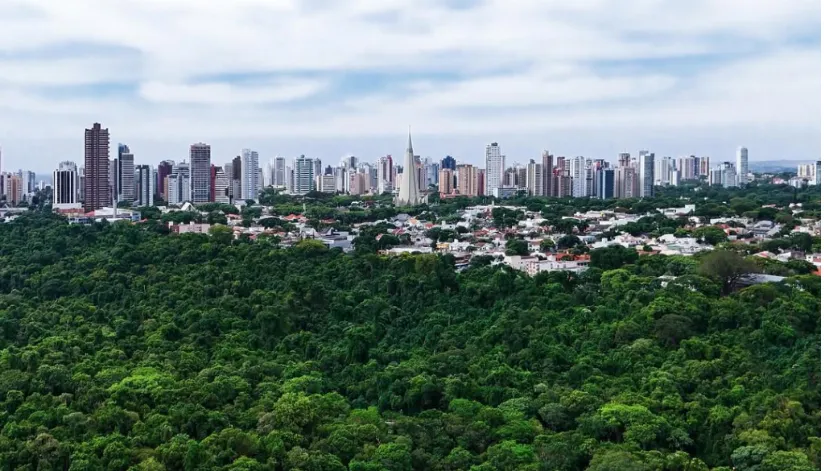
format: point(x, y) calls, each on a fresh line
point(410, 193)
point(468, 180)
point(742, 165)
point(579, 177)
point(445, 180)
point(448, 162)
point(280, 172)
point(124, 174)
point(304, 175)
point(248, 174)
point(144, 185)
point(66, 186)
point(547, 168)
point(647, 174)
point(386, 175)
point(495, 164)
point(605, 183)
point(96, 163)
point(200, 179)
point(221, 193)
point(164, 169)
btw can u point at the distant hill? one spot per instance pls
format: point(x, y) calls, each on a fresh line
point(775, 166)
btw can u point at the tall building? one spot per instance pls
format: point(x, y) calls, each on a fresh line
point(386, 175)
point(647, 174)
point(200, 177)
point(742, 165)
point(221, 186)
point(547, 168)
point(280, 172)
point(704, 167)
point(495, 164)
point(663, 171)
point(164, 169)
point(448, 163)
point(235, 178)
point(144, 185)
point(66, 186)
point(304, 169)
point(248, 175)
point(534, 179)
point(410, 193)
point(96, 164)
point(624, 159)
point(468, 180)
point(124, 174)
point(12, 188)
point(578, 172)
point(445, 181)
point(626, 178)
point(605, 183)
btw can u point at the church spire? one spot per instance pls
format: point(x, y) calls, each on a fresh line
point(409, 149)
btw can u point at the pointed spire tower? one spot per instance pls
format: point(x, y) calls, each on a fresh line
point(409, 194)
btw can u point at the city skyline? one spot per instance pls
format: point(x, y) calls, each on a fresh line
point(463, 73)
point(223, 154)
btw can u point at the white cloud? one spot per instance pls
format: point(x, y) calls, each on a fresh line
point(226, 94)
point(527, 66)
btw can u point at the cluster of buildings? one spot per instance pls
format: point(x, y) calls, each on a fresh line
point(18, 187)
point(103, 180)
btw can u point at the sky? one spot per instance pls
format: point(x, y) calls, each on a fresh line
point(328, 78)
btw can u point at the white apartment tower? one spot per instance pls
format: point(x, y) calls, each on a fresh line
point(249, 174)
point(495, 164)
point(742, 165)
point(66, 186)
point(304, 175)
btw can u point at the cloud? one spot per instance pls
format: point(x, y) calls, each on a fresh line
point(273, 70)
point(227, 94)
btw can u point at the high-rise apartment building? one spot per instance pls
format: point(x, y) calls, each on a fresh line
point(304, 169)
point(547, 169)
point(445, 181)
point(280, 172)
point(495, 164)
point(221, 185)
point(578, 172)
point(96, 164)
point(144, 180)
point(124, 174)
point(534, 179)
point(647, 174)
point(248, 175)
point(742, 165)
point(66, 186)
point(200, 179)
point(164, 169)
point(386, 174)
point(468, 180)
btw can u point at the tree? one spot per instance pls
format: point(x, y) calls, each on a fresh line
point(517, 247)
point(712, 235)
point(547, 245)
point(726, 266)
point(221, 234)
point(612, 257)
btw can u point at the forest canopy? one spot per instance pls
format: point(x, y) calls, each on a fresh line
point(125, 349)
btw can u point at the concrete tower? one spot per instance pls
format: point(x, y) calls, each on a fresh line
point(410, 193)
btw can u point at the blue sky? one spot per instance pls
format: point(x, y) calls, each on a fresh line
point(326, 79)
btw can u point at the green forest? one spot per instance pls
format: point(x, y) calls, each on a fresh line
point(122, 348)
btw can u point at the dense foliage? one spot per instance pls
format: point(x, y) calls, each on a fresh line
point(124, 348)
